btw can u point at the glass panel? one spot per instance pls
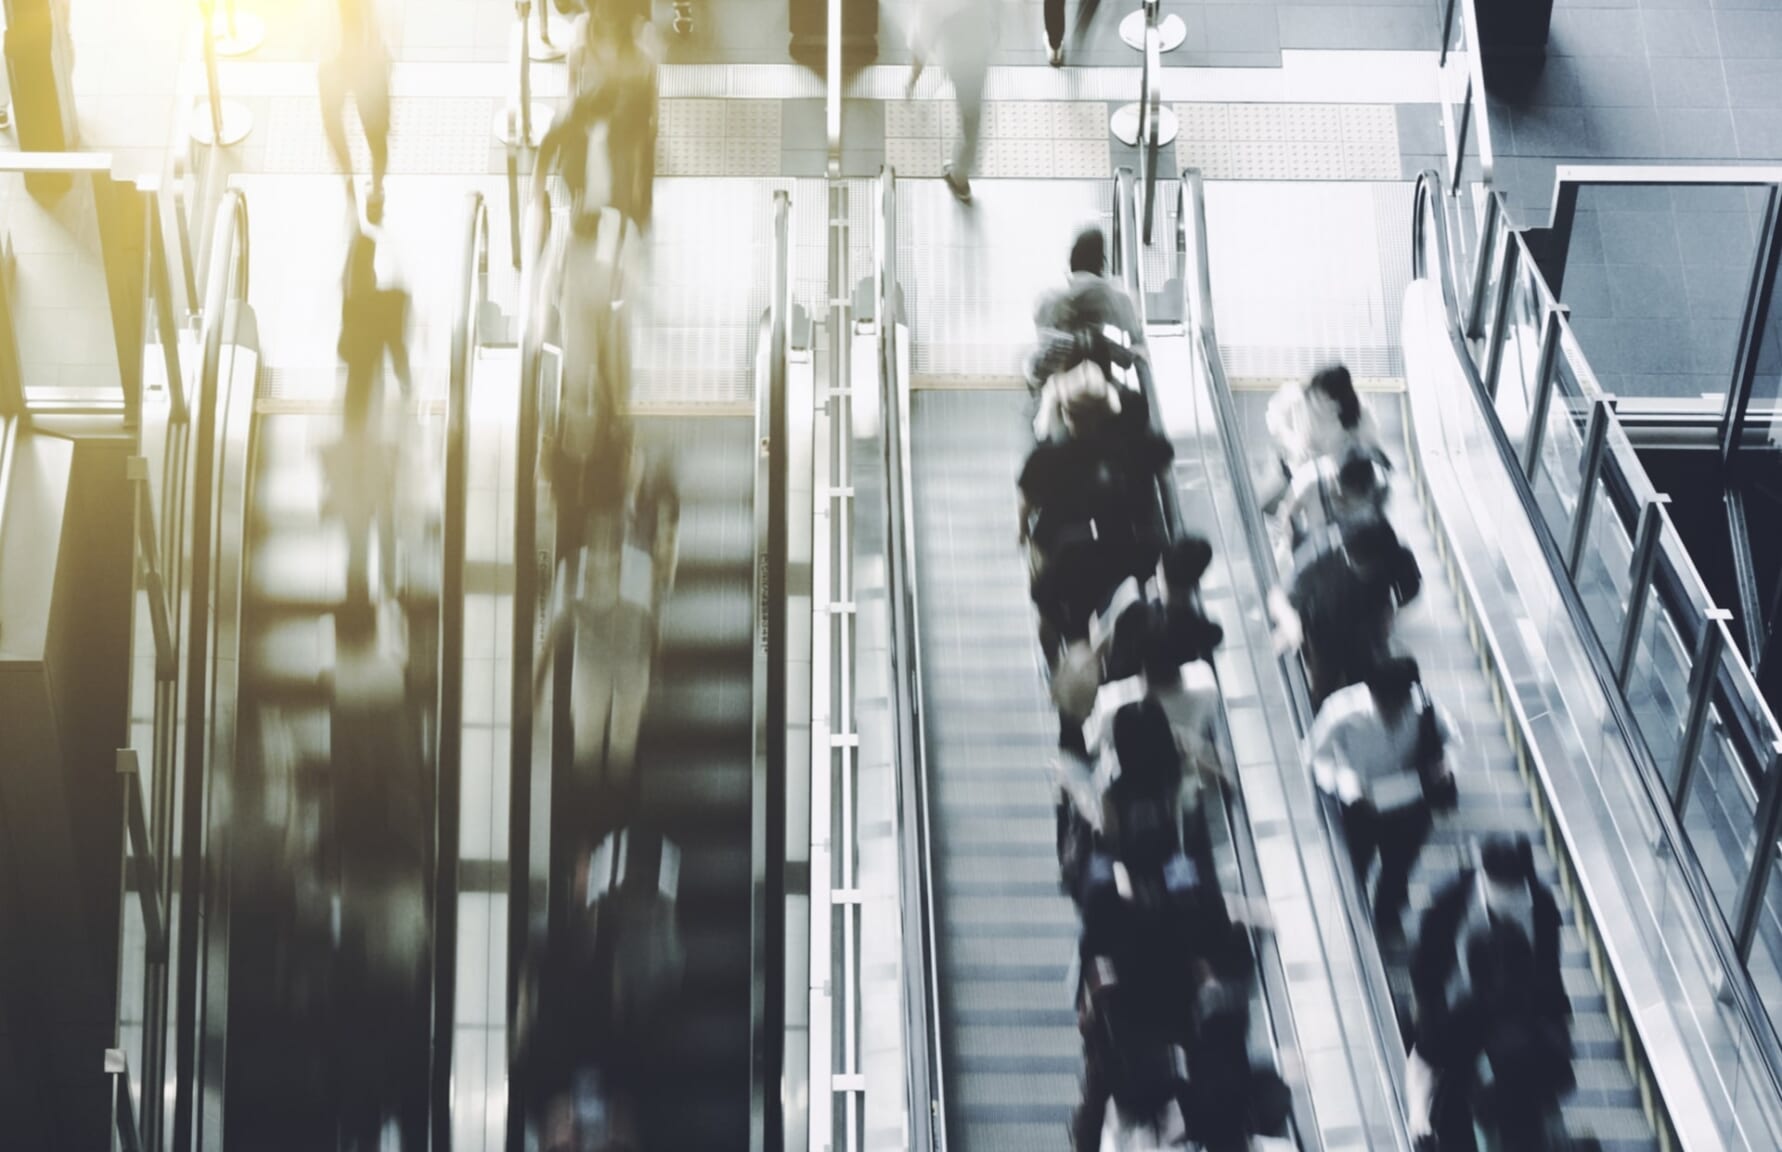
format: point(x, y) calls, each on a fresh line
point(60, 311)
point(1658, 686)
point(1718, 820)
point(1555, 480)
point(1604, 570)
point(1517, 376)
point(132, 973)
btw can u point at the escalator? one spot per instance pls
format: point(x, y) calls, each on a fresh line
point(300, 746)
point(1273, 235)
point(1002, 935)
point(698, 775)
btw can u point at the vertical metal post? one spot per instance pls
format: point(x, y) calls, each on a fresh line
point(1645, 555)
point(1458, 161)
point(1738, 531)
point(1475, 307)
point(1546, 366)
point(1559, 233)
point(1769, 816)
point(1596, 433)
point(1753, 327)
point(1704, 673)
point(1500, 320)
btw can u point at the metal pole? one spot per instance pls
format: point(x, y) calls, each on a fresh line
point(523, 125)
point(1639, 584)
point(1769, 816)
point(1170, 28)
point(1500, 320)
point(1546, 366)
point(224, 123)
point(1754, 328)
point(1475, 308)
point(1595, 434)
point(1704, 672)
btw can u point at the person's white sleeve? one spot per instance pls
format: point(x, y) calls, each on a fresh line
point(1286, 423)
point(1324, 749)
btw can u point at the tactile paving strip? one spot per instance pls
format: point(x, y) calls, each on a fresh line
point(427, 137)
point(1021, 139)
point(1289, 141)
point(717, 137)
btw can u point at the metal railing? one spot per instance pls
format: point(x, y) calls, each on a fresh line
point(1646, 627)
point(225, 296)
point(1464, 106)
point(1385, 1047)
point(466, 341)
point(922, 1021)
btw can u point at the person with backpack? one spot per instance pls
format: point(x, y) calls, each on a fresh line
point(1379, 749)
point(1340, 491)
point(1337, 607)
point(1493, 1020)
point(1322, 417)
point(1091, 305)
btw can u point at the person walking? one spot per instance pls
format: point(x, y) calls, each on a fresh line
point(961, 36)
point(1379, 749)
point(1054, 15)
point(358, 69)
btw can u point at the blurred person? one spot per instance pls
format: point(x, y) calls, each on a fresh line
point(1344, 490)
point(608, 131)
point(1090, 302)
point(615, 573)
point(1337, 607)
point(358, 69)
point(1083, 508)
point(1493, 1017)
point(1379, 748)
point(373, 326)
point(960, 35)
point(1054, 17)
point(379, 816)
point(1322, 417)
point(598, 989)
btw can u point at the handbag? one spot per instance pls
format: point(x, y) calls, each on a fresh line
point(1439, 787)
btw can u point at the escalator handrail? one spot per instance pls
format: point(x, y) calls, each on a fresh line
point(535, 307)
point(1736, 979)
point(1271, 970)
point(226, 285)
point(922, 1018)
point(768, 686)
point(1388, 1046)
point(466, 340)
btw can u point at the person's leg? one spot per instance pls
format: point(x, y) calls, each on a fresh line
point(372, 98)
point(590, 704)
point(631, 692)
point(1085, 19)
point(968, 86)
point(1452, 1115)
point(332, 91)
point(1361, 830)
point(1054, 15)
point(1402, 835)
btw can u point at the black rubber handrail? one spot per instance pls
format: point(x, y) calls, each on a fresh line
point(1270, 968)
point(466, 341)
point(1736, 987)
point(226, 288)
point(1388, 1047)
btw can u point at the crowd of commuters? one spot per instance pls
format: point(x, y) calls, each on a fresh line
point(1165, 973)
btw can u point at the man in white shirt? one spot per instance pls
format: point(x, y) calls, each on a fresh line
point(1376, 747)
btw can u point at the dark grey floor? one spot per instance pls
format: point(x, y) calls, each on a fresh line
point(1241, 34)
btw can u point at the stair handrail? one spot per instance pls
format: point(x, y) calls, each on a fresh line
point(466, 340)
point(922, 1019)
point(1387, 1047)
point(1432, 256)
